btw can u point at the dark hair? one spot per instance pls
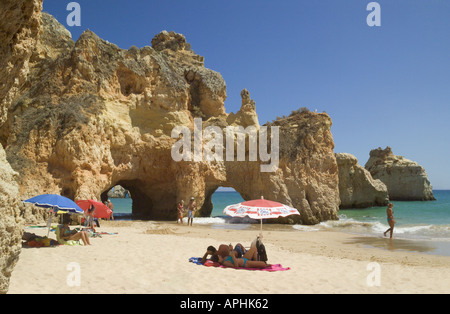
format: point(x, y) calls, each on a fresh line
point(212, 249)
point(67, 219)
point(215, 258)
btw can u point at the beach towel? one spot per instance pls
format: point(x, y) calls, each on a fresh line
point(99, 234)
point(209, 263)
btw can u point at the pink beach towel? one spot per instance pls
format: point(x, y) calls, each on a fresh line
point(274, 267)
point(209, 263)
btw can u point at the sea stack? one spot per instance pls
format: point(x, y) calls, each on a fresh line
point(405, 179)
point(357, 188)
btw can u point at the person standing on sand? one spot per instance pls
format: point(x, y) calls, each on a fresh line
point(111, 206)
point(180, 211)
point(390, 219)
point(191, 210)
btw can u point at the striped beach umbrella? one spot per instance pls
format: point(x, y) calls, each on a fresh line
point(260, 209)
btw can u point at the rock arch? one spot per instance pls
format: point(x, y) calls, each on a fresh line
point(207, 208)
point(84, 133)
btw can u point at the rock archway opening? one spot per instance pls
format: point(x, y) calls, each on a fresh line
point(141, 200)
point(217, 198)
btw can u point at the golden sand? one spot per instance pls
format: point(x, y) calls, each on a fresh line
point(152, 257)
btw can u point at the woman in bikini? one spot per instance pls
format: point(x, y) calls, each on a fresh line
point(247, 261)
point(390, 219)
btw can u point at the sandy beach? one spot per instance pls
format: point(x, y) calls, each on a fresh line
point(152, 257)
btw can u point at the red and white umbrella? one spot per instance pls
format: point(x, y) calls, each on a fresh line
point(100, 209)
point(260, 209)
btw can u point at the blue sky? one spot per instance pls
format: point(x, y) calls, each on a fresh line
point(382, 86)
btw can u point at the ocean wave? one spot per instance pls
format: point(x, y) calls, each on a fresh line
point(376, 228)
point(226, 220)
point(209, 220)
point(306, 228)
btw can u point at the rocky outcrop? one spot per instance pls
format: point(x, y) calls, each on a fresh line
point(11, 223)
point(405, 179)
point(118, 192)
point(20, 22)
point(91, 116)
point(357, 188)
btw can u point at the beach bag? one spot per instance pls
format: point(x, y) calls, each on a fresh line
point(262, 254)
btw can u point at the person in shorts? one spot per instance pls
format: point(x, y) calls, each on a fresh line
point(191, 210)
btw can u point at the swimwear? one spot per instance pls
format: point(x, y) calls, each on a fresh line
point(230, 259)
point(190, 214)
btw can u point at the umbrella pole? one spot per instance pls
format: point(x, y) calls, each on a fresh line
point(49, 224)
point(260, 230)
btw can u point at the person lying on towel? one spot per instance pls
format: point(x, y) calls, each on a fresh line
point(229, 257)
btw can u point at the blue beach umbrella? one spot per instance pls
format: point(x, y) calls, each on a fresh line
point(56, 203)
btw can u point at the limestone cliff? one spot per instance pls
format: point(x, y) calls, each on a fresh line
point(20, 22)
point(405, 179)
point(357, 188)
point(91, 116)
point(11, 223)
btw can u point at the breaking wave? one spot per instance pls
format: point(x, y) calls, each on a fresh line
point(376, 228)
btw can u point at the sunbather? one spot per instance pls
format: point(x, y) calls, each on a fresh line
point(239, 251)
point(247, 261)
point(66, 234)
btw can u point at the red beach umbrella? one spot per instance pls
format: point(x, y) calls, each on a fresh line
point(260, 209)
point(100, 209)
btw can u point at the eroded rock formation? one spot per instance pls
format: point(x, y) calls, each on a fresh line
point(405, 179)
point(20, 23)
point(91, 116)
point(357, 188)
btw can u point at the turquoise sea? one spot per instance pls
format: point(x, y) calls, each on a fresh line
point(415, 220)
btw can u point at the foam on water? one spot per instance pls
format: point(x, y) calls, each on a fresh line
point(415, 220)
point(376, 228)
